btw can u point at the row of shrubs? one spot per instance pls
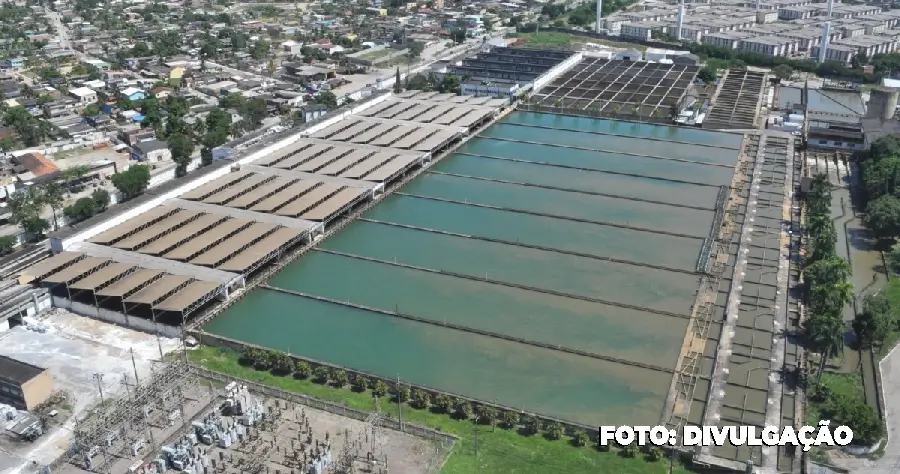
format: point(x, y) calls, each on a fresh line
point(283, 364)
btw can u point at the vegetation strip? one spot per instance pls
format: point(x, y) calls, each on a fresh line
point(547, 127)
point(505, 283)
point(553, 216)
point(580, 168)
point(471, 330)
point(531, 246)
point(570, 190)
point(828, 290)
point(514, 448)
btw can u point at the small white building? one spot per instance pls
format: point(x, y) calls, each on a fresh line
point(84, 95)
point(151, 150)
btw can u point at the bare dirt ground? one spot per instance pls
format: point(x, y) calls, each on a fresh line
point(74, 348)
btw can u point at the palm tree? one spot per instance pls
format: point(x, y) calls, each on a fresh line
point(827, 271)
point(823, 244)
point(54, 197)
point(816, 224)
point(825, 335)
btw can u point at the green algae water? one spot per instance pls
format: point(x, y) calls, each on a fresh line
point(583, 303)
point(535, 379)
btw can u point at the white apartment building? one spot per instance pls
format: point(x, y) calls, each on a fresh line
point(807, 38)
point(692, 32)
point(869, 45)
point(835, 52)
point(766, 16)
point(770, 45)
point(850, 11)
point(727, 39)
point(643, 30)
point(798, 13)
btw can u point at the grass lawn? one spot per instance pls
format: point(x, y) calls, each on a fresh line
point(556, 39)
point(377, 54)
point(850, 385)
point(499, 451)
point(893, 295)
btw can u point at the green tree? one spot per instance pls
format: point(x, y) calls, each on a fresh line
point(581, 438)
point(339, 378)
point(825, 335)
point(7, 244)
point(655, 454)
point(101, 199)
point(256, 111)
point(783, 72)
point(707, 74)
point(83, 208)
point(893, 258)
point(91, 110)
point(380, 389)
point(54, 197)
point(181, 147)
point(415, 48)
point(302, 369)
point(320, 375)
point(462, 410)
point(510, 419)
point(886, 146)
point(485, 415)
point(554, 431)
point(326, 98)
point(25, 208)
point(282, 363)
point(360, 383)
point(443, 403)
point(401, 393)
point(875, 322)
point(531, 425)
point(882, 177)
point(420, 399)
point(398, 84)
point(883, 216)
point(133, 181)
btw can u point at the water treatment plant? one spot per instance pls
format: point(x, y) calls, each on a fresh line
point(545, 257)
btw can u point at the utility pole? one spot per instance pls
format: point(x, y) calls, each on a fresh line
point(99, 378)
point(399, 403)
point(137, 381)
point(476, 437)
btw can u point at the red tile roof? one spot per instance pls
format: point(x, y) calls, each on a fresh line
point(38, 164)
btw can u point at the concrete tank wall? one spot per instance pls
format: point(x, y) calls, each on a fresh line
point(882, 103)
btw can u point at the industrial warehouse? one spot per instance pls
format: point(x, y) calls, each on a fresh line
point(483, 247)
point(164, 260)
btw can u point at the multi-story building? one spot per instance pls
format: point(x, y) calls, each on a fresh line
point(771, 45)
point(644, 30)
point(850, 11)
point(692, 32)
point(835, 52)
point(798, 13)
point(23, 385)
point(869, 45)
point(766, 16)
point(727, 39)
